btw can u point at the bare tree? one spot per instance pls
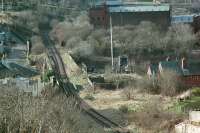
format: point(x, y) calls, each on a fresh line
point(181, 38)
point(168, 83)
point(23, 113)
point(38, 46)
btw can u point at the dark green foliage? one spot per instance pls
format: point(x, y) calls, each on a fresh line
point(47, 75)
point(124, 109)
point(89, 97)
point(196, 91)
point(190, 104)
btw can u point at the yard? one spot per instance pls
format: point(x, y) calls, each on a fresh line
point(138, 113)
point(190, 104)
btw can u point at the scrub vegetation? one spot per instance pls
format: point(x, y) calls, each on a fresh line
point(53, 112)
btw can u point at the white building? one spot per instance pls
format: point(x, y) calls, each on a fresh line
point(190, 126)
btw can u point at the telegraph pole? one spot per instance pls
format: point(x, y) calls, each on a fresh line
point(111, 42)
point(2, 5)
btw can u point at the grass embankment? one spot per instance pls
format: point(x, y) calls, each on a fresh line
point(74, 72)
point(190, 104)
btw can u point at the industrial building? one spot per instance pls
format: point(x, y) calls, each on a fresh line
point(129, 13)
point(192, 19)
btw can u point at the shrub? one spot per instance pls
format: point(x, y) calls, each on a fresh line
point(128, 93)
point(196, 91)
point(148, 85)
point(168, 83)
point(124, 109)
point(38, 47)
point(56, 113)
point(89, 97)
point(154, 118)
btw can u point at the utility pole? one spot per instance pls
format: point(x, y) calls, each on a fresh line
point(111, 42)
point(2, 5)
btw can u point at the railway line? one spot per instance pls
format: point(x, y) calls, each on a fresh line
point(69, 89)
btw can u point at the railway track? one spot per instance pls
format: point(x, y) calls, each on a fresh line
point(69, 89)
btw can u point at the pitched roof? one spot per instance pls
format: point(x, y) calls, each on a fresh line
point(154, 68)
point(16, 69)
point(172, 65)
point(194, 67)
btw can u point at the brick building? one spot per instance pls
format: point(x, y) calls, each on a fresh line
point(129, 13)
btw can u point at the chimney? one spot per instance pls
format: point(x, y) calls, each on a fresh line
point(183, 63)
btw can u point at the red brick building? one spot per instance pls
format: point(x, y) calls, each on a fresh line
point(130, 13)
point(99, 16)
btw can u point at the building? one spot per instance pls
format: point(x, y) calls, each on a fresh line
point(188, 72)
point(190, 126)
point(185, 19)
point(31, 87)
point(192, 19)
point(12, 69)
point(126, 13)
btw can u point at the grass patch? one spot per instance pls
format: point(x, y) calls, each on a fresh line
point(124, 109)
point(196, 92)
point(89, 97)
point(130, 108)
point(154, 118)
point(189, 104)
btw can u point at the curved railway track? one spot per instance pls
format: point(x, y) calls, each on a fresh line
point(69, 89)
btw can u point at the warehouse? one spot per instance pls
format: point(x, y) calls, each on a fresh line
point(130, 13)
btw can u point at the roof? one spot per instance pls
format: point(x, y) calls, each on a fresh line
point(182, 19)
point(119, 6)
point(139, 8)
point(154, 68)
point(16, 69)
point(121, 2)
point(172, 65)
point(194, 67)
point(107, 2)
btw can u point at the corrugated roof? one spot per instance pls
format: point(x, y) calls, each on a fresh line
point(139, 8)
point(15, 68)
point(108, 2)
point(120, 2)
point(182, 19)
